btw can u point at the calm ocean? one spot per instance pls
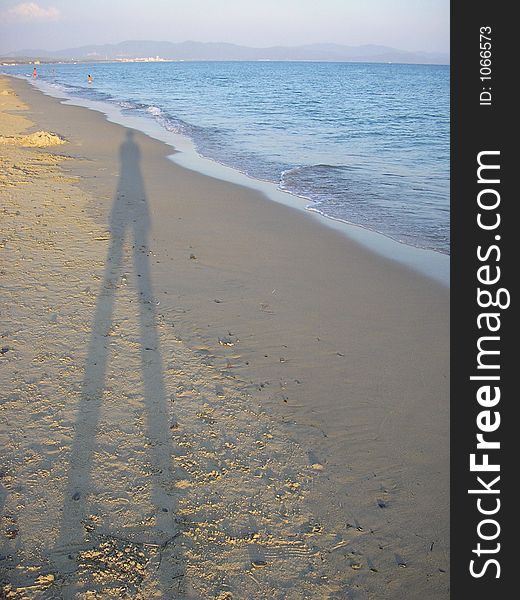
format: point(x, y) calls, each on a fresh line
point(365, 143)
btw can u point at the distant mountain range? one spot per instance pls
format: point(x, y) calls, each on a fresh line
point(134, 49)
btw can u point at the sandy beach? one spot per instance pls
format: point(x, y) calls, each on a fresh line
point(205, 394)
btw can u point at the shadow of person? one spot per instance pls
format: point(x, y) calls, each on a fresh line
point(81, 549)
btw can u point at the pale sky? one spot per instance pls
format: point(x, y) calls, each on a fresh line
point(58, 24)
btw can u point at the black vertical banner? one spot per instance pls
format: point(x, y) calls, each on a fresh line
point(484, 261)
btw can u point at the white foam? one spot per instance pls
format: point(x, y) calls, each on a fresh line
point(154, 110)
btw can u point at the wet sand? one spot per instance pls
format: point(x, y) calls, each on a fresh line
point(205, 394)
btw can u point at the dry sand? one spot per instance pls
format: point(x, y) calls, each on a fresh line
point(205, 394)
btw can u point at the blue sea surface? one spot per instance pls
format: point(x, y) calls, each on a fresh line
point(364, 143)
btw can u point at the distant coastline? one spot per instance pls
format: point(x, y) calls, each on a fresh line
point(49, 61)
point(151, 51)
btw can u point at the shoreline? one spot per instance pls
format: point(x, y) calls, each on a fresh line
point(298, 381)
point(431, 263)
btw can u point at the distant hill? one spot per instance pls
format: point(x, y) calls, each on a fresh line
point(222, 51)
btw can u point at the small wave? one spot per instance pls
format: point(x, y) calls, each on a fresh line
point(72, 89)
point(353, 195)
point(154, 110)
point(57, 86)
point(169, 122)
point(318, 167)
point(324, 177)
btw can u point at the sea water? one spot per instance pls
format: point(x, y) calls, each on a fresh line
point(367, 144)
